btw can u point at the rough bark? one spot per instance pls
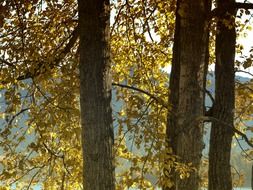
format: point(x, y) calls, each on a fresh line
point(221, 135)
point(95, 95)
point(173, 99)
point(186, 87)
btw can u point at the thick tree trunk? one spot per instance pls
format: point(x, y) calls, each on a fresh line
point(173, 99)
point(186, 88)
point(95, 95)
point(221, 135)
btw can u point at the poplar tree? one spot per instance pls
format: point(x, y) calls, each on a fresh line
point(95, 95)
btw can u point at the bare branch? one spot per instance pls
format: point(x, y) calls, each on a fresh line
point(32, 179)
point(158, 100)
point(243, 5)
point(244, 151)
point(221, 10)
point(16, 115)
point(212, 119)
point(209, 94)
point(241, 71)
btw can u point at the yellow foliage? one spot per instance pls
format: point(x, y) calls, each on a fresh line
point(39, 83)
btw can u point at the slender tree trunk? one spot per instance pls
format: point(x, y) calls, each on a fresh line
point(221, 135)
point(95, 95)
point(186, 88)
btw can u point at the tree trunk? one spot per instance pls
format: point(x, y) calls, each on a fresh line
point(95, 95)
point(186, 88)
point(173, 99)
point(223, 108)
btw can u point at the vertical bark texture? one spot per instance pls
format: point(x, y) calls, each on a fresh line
point(173, 99)
point(95, 95)
point(184, 132)
point(221, 135)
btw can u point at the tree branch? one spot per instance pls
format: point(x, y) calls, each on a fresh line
point(209, 94)
point(244, 5)
point(16, 115)
point(189, 122)
point(244, 151)
point(246, 72)
point(221, 10)
point(212, 119)
point(158, 100)
point(66, 50)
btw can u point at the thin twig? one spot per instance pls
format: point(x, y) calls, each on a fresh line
point(158, 100)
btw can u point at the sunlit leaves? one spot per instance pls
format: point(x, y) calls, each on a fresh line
point(40, 134)
point(42, 141)
point(40, 129)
